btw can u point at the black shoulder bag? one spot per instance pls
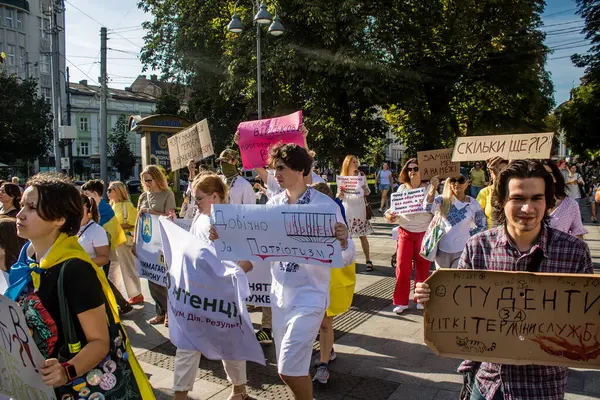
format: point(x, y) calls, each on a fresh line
point(113, 377)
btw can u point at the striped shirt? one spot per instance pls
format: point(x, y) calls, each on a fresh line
point(494, 250)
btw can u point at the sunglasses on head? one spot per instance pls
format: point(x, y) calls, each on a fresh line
point(415, 169)
point(460, 180)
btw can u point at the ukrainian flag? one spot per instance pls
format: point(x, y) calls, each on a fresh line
point(110, 223)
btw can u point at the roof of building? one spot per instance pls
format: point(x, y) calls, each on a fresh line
point(83, 89)
point(154, 87)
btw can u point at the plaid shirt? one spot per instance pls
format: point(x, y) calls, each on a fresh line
point(493, 250)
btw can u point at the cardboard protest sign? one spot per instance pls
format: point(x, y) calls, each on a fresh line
point(278, 232)
point(193, 143)
point(509, 147)
point(150, 259)
point(257, 136)
point(515, 317)
point(20, 359)
point(259, 280)
point(408, 201)
point(351, 184)
point(207, 311)
point(437, 162)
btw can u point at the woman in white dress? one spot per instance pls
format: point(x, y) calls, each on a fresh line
point(356, 208)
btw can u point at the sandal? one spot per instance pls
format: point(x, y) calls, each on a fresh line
point(167, 320)
point(159, 319)
point(369, 266)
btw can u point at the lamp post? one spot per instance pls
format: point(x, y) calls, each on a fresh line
point(262, 17)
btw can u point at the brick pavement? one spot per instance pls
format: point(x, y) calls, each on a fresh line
point(380, 355)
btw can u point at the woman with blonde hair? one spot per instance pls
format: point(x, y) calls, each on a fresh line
point(461, 217)
point(208, 189)
point(126, 215)
point(356, 208)
point(157, 199)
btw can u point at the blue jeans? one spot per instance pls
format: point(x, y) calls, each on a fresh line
point(475, 191)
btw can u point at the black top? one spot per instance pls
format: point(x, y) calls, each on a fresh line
point(12, 213)
point(83, 291)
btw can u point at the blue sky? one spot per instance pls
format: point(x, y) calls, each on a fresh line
point(123, 16)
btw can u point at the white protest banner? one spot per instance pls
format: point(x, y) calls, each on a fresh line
point(20, 359)
point(509, 147)
point(207, 311)
point(351, 184)
point(278, 232)
point(259, 280)
point(193, 143)
point(150, 260)
point(408, 201)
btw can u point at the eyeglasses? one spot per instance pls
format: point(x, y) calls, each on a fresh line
point(415, 169)
point(460, 180)
point(148, 180)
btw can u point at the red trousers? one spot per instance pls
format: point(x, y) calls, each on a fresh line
point(409, 244)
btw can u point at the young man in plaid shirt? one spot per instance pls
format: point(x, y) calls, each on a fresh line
point(522, 197)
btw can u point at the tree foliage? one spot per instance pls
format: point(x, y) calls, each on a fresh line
point(590, 11)
point(580, 119)
point(438, 68)
point(25, 120)
point(120, 148)
point(169, 102)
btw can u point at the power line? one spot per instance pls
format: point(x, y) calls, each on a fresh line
point(558, 13)
point(123, 51)
point(563, 23)
point(84, 13)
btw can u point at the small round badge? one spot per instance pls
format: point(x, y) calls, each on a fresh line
point(93, 377)
point(110, 366)
point(108, 381)
point(79, 384)
point(96, 396)
point(85, 392)
point(67, 397)
point(118, 341)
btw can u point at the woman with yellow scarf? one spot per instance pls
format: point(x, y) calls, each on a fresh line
point(53, 267)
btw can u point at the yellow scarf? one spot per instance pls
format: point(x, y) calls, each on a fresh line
point(67, 247)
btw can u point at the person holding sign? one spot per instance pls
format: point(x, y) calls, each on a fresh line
point(384, 180)
point(208, 189)
point(523, 242)
point(356, 208)
point(55, 278)
point(459, 216)
point(565, 215)
point(411, 230)
point(157, 199)
point(300, 292)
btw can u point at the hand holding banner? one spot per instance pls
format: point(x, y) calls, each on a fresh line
point(207, 310)
point(408, 201)
point(278, 232)
point(257, 136)
point(351, 184)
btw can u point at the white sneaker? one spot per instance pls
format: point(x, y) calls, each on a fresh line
point(420, 306)
point(400, 309)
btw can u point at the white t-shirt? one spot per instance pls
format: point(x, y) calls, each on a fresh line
point(91, 236)
point(303, 284)
point(201, 227)
point(241, 192)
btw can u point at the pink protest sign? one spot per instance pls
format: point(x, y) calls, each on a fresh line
point(257, 136)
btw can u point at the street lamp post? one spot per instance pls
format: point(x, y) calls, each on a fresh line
point(262, 17)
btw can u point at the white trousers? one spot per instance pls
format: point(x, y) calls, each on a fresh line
point(294, 332)
point(129, 274)
point(186, 370)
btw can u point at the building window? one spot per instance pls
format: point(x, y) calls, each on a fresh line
point(21, 57)
point(83, 124)
point(44, 28)
point(10, 55)
point(84, 149)
point(19, 20)
point(47, 94)
point(8, 21)
point(45, 65)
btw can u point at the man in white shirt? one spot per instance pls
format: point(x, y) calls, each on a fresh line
point(240, 190)
point(300, 292)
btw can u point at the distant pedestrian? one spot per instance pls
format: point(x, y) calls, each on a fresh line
point(10, 197)
point(384, 180)
point(478, 180)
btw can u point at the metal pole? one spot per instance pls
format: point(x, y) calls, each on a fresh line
point(258, 78)
point(103, 116)
point(55, 69)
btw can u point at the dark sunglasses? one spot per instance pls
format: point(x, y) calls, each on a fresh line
point(460, 180)
point(415, 169)
point(147, 180)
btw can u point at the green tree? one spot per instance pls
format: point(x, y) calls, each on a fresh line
point(169, 102)
point(580, 119)
point(25, 120)
point(590, 11)
point(120, 148)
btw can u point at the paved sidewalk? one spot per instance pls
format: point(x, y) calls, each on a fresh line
point(380, 355)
